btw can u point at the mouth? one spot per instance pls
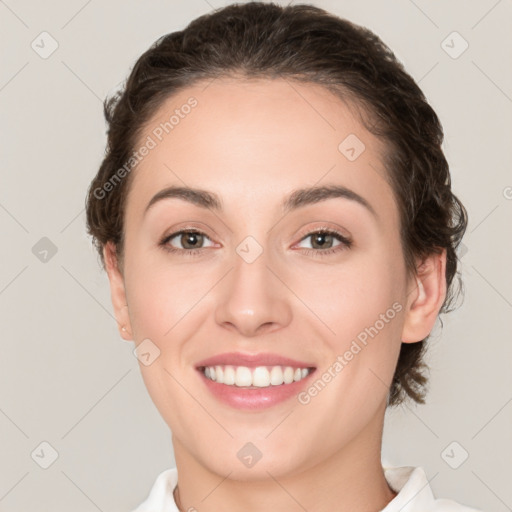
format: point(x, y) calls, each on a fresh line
point(254, 381)
point(257, 377)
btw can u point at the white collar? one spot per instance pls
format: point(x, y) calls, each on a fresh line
point(411, 484)
point(415, 493)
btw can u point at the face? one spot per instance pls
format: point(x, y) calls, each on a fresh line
point(267, 273)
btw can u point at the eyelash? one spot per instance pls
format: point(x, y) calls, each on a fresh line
point(345, 243)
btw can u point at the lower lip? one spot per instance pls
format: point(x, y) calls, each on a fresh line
point(254, 398)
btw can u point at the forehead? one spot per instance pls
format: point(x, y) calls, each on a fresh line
point(258, 138)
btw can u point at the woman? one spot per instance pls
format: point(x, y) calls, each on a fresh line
point(275, 216)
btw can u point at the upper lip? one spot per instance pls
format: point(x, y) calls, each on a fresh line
point(252, 360)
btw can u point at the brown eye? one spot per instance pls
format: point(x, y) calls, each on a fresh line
point(323, 242)
point(191, 241)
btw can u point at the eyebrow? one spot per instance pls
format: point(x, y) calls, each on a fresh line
point(297, 199)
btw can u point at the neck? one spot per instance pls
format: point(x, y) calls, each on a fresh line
point(350, 479)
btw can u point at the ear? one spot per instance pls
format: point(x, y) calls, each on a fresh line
point(117, 291)
point(425, 298)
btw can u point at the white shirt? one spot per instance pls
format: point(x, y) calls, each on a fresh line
point(411, 484)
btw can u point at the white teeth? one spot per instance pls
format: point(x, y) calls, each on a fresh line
point(261, 376)
point(229, 375)
point(288, 375)
point(243, 376)
point(276, 376)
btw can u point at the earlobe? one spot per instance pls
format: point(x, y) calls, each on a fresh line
point(426, 298)
point(117, 291)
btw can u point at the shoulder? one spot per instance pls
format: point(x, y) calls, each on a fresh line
point(160, 497)
point(415, 493)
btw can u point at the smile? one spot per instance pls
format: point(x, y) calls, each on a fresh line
point(258, 377)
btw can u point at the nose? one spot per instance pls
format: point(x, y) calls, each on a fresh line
point(253, 299)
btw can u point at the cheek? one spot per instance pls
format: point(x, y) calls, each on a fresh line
point(158, 297)
point(363, 309)
point(361, 306)
point(352, 297)
point(370, 320)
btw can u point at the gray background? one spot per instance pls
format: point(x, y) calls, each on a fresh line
point(67, 378)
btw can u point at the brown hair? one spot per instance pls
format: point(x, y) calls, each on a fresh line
point(307, 44)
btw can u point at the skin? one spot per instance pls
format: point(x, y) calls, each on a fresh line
point(253, 143)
